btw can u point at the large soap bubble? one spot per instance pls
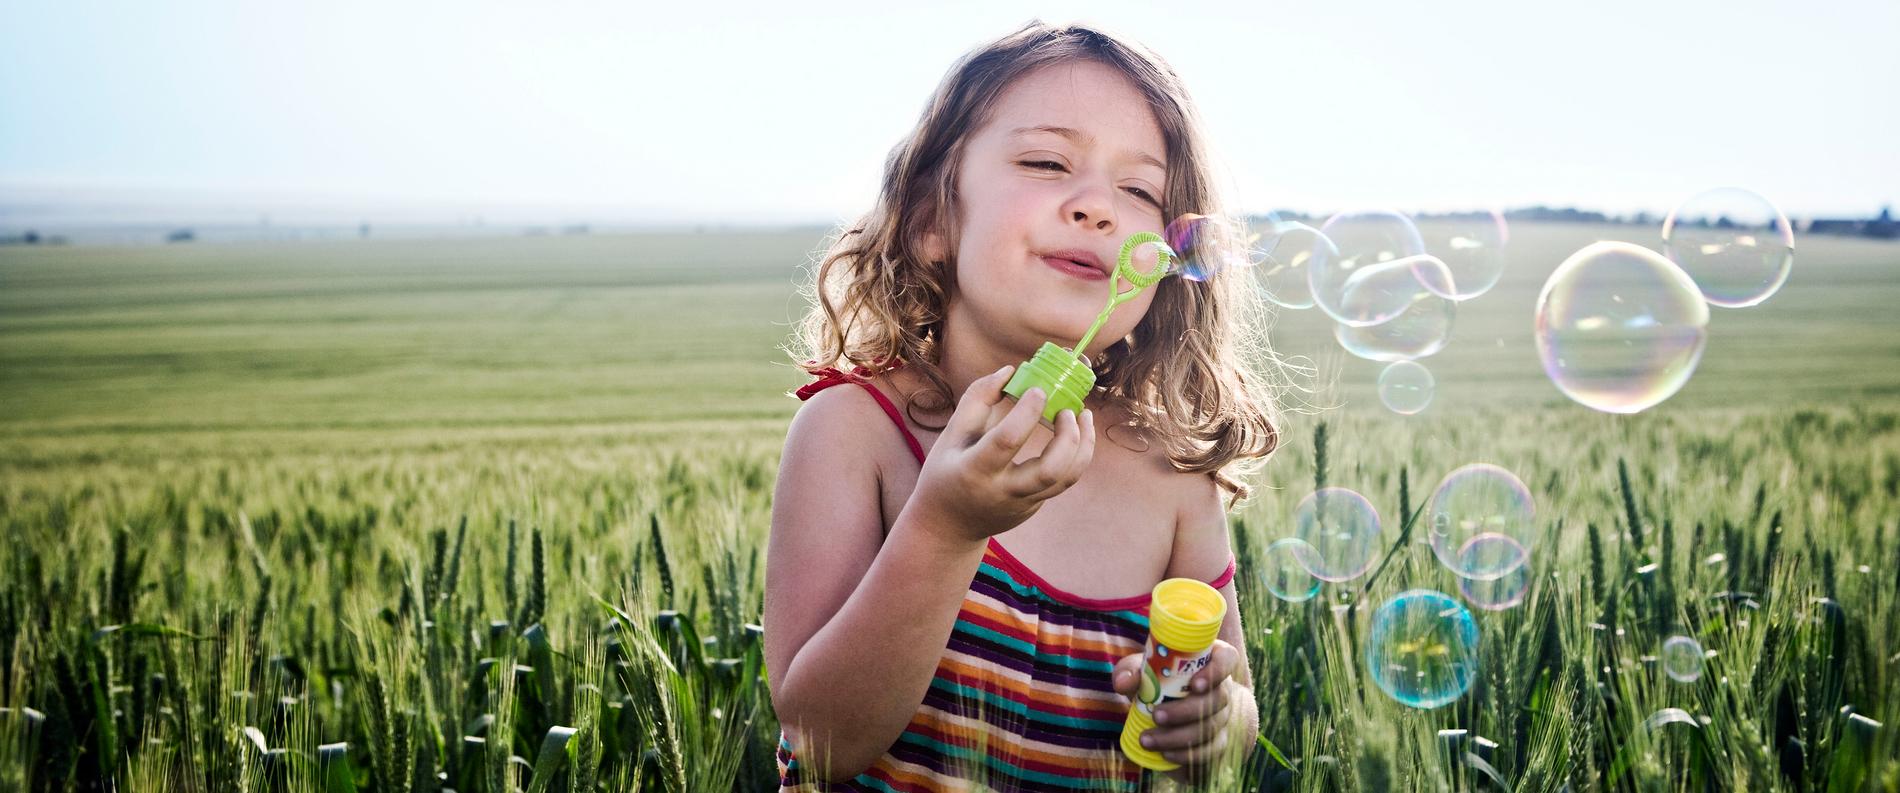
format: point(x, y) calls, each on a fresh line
point(1207, 245)
point(1619, 327)
point(1735, 245)
point(1341, 533)
point(1286, 253)
point(1363, 239)
point(1474, 503)
point(1423, 649)
point(1406, 387)
point(1470, 245)
point(1420, 330)
point(1283, 573)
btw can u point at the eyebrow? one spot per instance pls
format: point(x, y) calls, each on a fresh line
point(1084, 139)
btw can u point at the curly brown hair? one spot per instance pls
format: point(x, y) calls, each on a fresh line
point(1195, 368)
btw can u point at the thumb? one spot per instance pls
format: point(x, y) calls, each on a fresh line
point(1127, 675)
point(973, 408)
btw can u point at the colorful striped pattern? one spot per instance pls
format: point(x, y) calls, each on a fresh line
point(1021, 699)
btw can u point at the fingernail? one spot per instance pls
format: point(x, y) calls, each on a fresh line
point(1034, 392)
point(1147, 742)
point(1200, 684)
point(1002, 370)
point(1161, 717)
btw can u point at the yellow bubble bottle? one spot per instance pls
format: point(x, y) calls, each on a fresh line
point(1184, 617)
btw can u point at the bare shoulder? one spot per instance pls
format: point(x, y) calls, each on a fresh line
point(1201, 546)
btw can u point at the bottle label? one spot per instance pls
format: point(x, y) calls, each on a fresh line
point(1165, 674)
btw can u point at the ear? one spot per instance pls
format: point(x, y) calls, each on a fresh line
point(934, 247)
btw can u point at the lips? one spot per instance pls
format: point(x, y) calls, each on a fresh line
point(1078, 263)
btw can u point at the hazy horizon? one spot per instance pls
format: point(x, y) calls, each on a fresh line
point(443, 114)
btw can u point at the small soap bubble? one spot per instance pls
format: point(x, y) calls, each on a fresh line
point(1283, 574)
point(1499, 593)
point(1423, 648)
point(1682, 659)
point(1476, 502)
point(1667, 716)
point(1362, 239)
point(1406, 387)
point(1620, 328)
point(1340, 530)
point(1470, 245)
point(1736, 245)
point(1285, 254)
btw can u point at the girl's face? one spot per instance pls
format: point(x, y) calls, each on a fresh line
point(1068, 167)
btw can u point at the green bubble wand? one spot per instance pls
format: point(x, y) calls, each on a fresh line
point(1065, 375)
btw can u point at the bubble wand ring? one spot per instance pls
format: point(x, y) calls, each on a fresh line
point(1065, 375)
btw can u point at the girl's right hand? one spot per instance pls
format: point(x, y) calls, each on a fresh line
point(971, 486)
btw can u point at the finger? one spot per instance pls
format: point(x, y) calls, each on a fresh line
point(1127, 674)
point(1004, 440)
point(1200, 754)
point(1193, 707)
point(968, 420)
point(1183, 736)
point(1053, 470)
point(1221, 663)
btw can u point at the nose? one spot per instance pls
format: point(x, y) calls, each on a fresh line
point(1092, 207)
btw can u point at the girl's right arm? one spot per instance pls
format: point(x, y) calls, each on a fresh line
point(855, 627)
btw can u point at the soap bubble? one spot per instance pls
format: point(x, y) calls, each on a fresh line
point(1288, 251)
point(1363, 239)
point(1283, 574)
point(1737, 247)
point(1499, 593)
point(1207, 245)
point(1471, 247)
point(1619, 327)
point(1406, 387)
point(1667, 716)
point(1423, 649)
point(1341, 533)
point(1682, 659)
point(1480, 501)
point(1421, 330)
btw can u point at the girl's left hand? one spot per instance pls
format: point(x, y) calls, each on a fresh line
point(1192, 730)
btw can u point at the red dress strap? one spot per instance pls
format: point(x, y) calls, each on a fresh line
point(829, 377)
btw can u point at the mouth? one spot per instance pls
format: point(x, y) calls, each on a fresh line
point(1078, 263)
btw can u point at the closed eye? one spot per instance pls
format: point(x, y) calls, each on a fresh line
point(1056, 167)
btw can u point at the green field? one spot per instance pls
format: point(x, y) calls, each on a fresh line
point(259, 460)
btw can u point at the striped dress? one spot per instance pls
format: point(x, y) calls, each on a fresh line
point(1022, 698)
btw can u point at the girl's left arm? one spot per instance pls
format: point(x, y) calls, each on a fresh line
point(1201, 551)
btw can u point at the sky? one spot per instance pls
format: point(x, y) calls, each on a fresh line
point(783, 112)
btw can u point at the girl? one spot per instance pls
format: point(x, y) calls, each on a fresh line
point(967, 598)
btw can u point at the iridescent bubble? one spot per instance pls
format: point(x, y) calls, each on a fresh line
point(1362, 239)
point(1619, 327)
point(1406, 387)
point(1423, 649)
point(1499, 593)
point(1421, 330)
point(1474, 503)
point(1286, 254)
point(1283, 574)
point(1682, 659)
point(1341, 533)
point(1471, 247)
point(1735, 245)
point(1207, 245)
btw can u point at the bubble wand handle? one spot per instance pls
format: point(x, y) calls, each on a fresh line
point(1125, 270)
